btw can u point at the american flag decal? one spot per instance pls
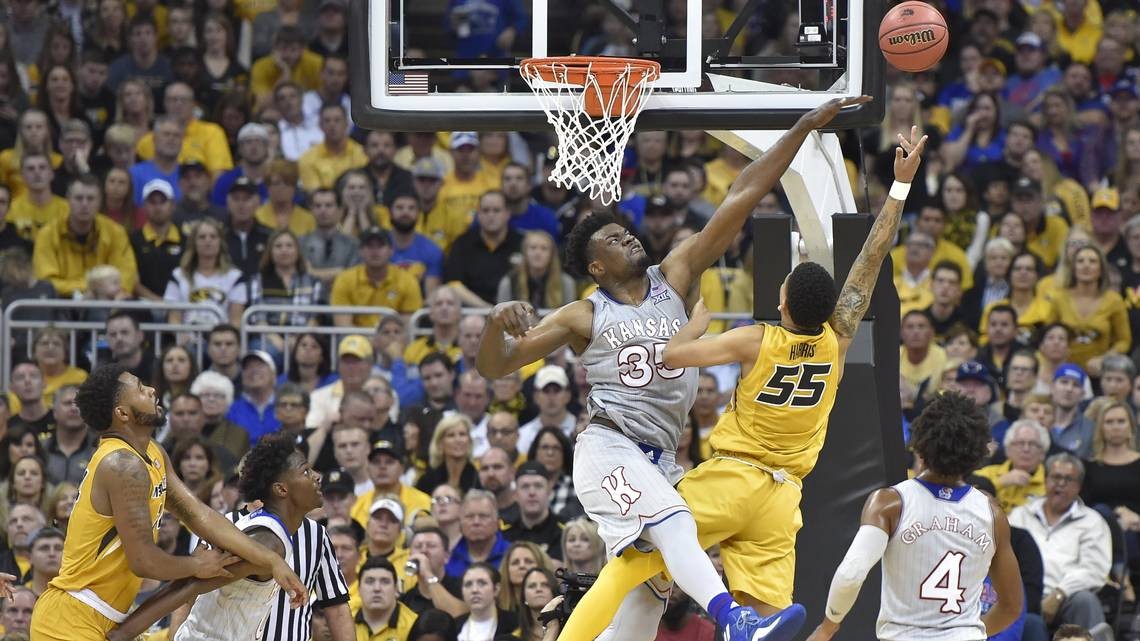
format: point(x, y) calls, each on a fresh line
point(407, 83)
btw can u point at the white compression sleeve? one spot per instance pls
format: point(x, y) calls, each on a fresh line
point(866, 550)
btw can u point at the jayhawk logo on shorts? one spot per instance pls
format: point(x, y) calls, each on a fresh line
point(620, 491)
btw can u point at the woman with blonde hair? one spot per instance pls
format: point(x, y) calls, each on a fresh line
point(1074, 241)
point(50, 348)
point(449, 456)
point(1112, 477)
point(33, 136)
point(521, 557)
point(1092, 310)
point(207, 275)
point(991, 284)
point(358, 200)
point(1063, 196)
point(1127, 170)
point(281, 211)
point(119, 148)
point(538, 278)
point(134, 106)
point(582, 549)
point(59, 503)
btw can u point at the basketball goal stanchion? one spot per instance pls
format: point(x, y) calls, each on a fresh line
point(593, 104)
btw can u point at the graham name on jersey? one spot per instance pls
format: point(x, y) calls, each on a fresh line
point(616, 335)
point(914, 531)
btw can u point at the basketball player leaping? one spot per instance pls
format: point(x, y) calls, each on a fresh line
point(747, 496)
point(625, 468)
point(234, 608)
point(938, 538)
point(113, 528)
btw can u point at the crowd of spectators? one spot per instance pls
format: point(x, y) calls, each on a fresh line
point(204, 152)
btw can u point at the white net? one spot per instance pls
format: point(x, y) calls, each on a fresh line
point(590, 148)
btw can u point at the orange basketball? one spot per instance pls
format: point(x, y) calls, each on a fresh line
point(913, 36)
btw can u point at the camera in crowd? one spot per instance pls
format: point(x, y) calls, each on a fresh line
point(572, 585)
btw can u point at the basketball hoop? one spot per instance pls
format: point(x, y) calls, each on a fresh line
point(593, 103)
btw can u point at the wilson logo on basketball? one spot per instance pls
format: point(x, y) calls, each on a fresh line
point(914, 38)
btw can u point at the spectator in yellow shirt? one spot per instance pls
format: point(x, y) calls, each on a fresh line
point(1022, 475)
point(494, 156)
point(439, 224)
point(444, 309)
point(281, 211)
point(38, 206)
point(1076, 33)
point(324, 162)
point(202, 141)
point(381, 617)
point(462, 188)
point(375, 283)
point(290, 61)
point(33, 135)
point(1045, 234)
point(913, 280)
point(931, 221)
point(720, 172)
point(67, 248)
point(1094, 312)
point(920, 358)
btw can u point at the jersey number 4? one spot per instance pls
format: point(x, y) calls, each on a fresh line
point(797, 383)
point(944, 583)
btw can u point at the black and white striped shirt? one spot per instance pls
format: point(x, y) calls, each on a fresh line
point(316, 566)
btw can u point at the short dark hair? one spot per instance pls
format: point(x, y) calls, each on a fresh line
point(1072, 631)
point(1002, 308)
point(333, 105)
point(810, 295)
point(1021, 122)
point(85, 180)
point(578, 252)
point(92, 56)
point(264, 464)
point(951, 435)
point(434, 622)
point(438, 357)
point(377, 563)
point(289, 34)
point(141, 20)
point(121, 314)
point(293, 389)
point(222, 328)
point(99, 394)
point(347, 530)
point(431, 529)
point(194, 397)
point(947, 265)
point(496, 578)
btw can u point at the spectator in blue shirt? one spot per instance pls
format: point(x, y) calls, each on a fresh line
point(482, 541)
point(253, 161)
point(142, 61)
point(254, 410)
point(526, 214)
point(1032, 73)
point(168, 135)
point(411, 250)
point(485, 28)
point(980, 139)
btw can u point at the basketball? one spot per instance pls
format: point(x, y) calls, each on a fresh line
point(913, 36)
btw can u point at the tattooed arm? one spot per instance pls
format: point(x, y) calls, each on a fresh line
point(855, 296)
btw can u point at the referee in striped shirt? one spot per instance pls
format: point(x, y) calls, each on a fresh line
point(316, 566)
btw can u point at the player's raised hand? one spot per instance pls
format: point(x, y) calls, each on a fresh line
point(513, 317)
point(908, 156)
point(824, 113)
point(700, 317)
point(213, 562)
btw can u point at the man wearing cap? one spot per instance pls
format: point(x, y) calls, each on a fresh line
point(462, 187)
point(975, 381)
point(354, 365)
point(384, 530)
point(158, 245)
point(203, 141)
point(196, 185)
point(1071, 429)
point(552, 395)
point(290, 61)
point(297, 135)
point(337, 490)
point(386, 463)
point(484, 254)
point(1124, 104)
point(325, 161)
point(374, 283)
point(440, 224)
point(1031, 75)
point(46, 555)
point(67, 248)
point(535, 522)
point(413, 251)
point(167, 136)
point(75, 147)
point(253, 161)
point(253, 411)
point(331, 40)
point(1106, 221)
point(37, 206)
point(1045, 235)
point(245, 237)
point(390, 179)
point(328, 250)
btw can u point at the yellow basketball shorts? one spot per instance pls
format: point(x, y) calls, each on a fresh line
point(58, 616)
point(755, 520)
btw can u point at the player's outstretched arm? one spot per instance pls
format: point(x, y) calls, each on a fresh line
point(511, 340)
point(684, 265)
point(221, 533)
point(177, 593)
point(880, 515)
point(1005, 574)
point(855, 296)
point(688, 349)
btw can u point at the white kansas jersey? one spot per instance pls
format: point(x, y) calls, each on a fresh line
point(935, 564)
point(237, 612)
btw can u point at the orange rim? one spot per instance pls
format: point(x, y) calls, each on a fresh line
point(607, 73)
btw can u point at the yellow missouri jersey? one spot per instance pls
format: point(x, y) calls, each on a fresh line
point(778, 414)
point(95, 568)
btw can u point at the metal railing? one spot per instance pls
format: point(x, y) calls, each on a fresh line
point(248, 327)
point(9, 326)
